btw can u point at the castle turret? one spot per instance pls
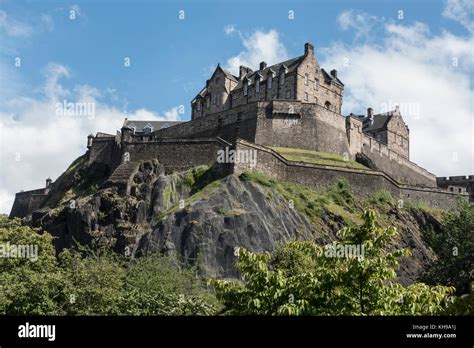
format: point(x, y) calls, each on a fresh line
point(263, 65)
point(90, 139)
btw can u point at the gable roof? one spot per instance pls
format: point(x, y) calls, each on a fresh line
point(290, 65)
point(380, 121)
point(141, 125)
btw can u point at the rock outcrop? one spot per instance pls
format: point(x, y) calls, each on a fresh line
point(198, 216)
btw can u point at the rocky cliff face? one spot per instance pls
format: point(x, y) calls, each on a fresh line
point(202, 217)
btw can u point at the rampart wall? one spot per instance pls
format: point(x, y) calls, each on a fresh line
point(363, 183)
point(399, 167)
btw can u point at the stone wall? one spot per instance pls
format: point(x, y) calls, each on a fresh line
point(363, 183)
point(302, 125)
point(27, 201)
point(239, 122)
point(177, 154)
point(399, 167)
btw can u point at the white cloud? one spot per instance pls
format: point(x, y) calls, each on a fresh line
point(359, 22)
point(13, 27)
point(47, 142)
point(429, 76)
point(461, 11)
point(229, 29)
point(259, 46)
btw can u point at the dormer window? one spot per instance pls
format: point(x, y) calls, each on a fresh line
point(257, 85)
point(198, 105)
point(133, 128)
point(208, 102)
point(269, 81)
point(148, 128)
point(282, 78)
point(246, 87)
point(214, 98)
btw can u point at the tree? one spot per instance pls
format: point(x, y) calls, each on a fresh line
point(454, 248)
point(30, 282)
point(353, 276)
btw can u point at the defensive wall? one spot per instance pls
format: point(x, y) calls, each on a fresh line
point(363, 183)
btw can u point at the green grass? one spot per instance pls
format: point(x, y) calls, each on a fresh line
point(382, 197)
point(316, 157)
point(312, 202)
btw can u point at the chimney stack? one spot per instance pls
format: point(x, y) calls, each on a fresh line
point(243, 70)
point(48, 182)
point(334, 73)
point(370, 113)
point(308, 49)
point(263, 65)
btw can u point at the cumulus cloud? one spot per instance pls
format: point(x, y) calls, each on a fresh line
point(461, 11)
point(37, 141)
point(428, 77)
point(259, 46)
point(361, 23)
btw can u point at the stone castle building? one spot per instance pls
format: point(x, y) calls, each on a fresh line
point(294, 104)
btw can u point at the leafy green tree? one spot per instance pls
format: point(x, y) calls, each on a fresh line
point(159, 285)
point(303, 278)
point(86, 282)
point(454, 248)
point(31, 284)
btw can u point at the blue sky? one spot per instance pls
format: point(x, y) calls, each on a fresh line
point(178, 54)
point(383, 60)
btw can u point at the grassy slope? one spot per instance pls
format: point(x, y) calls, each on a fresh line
point(315, 157)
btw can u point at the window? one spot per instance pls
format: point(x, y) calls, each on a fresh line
point(215, 96)
point(316, 85)
point(316, 100)
point(378, 137)
point(218, 99)
point(198, 105)
point(305, 96)
point(282, 78)
point(269, 82)
point(257, 85)
point(288, 94)
point(208, 102)
point(218, 80)
point(401, 140)
point(306, 79)
point(327, 105)
point(246, 87)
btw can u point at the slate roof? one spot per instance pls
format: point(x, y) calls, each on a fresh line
point(380, 121)
point(290, 65)
point(157, 125)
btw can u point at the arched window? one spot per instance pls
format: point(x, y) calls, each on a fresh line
point(327, 105)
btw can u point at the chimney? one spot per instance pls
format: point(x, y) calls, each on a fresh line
point(334, 73)
point(370, 113)
point(263, 65)
point(48, 182)
point(308, 49)
point(243, 70)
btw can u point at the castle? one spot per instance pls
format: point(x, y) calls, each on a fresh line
point(293, 104)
